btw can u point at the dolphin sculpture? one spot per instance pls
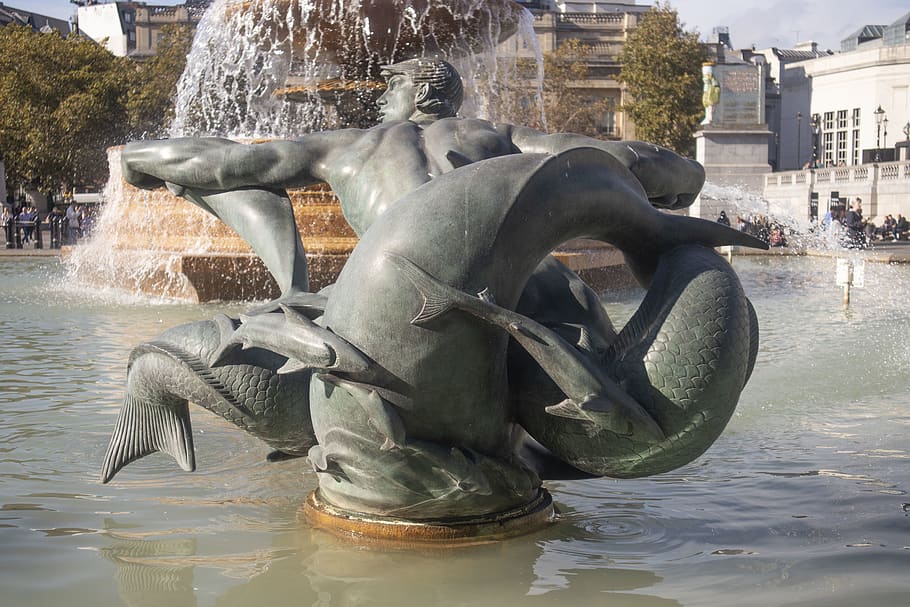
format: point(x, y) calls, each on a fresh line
point(166, 374)
point(474, 232)
point(440, 342)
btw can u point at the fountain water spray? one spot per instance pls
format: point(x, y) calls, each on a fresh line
point(279, 69)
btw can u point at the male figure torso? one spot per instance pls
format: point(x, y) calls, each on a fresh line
point(376, 167)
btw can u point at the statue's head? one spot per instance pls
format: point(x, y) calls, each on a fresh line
point(420, 90)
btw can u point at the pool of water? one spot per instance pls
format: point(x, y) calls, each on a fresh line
point(803, 500)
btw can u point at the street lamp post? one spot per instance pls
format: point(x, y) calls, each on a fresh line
point(799, 121)
point(879, 118)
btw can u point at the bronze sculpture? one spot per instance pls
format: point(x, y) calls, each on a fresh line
point(410, 383)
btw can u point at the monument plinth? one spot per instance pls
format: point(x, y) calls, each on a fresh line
point(732, 143)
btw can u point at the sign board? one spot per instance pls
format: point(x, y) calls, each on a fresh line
point(741, 95)
point(851, 273)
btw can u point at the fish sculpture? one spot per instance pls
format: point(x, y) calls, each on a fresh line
point(452, 341)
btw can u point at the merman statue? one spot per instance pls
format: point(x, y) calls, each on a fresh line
point(454, 364)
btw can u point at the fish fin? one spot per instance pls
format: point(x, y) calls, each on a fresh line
point(381, 414)
point(293, 317)
point(622, 419)
point(293, 366)
point(437, 299)
point(458, 160)
point(324, 464)
point(229, 345)
point(221, 355)
point(568, 409)
point(225, 326)
point(144, 428)
point(517, 328)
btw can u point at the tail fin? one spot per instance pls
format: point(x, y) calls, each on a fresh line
point(692, 230)
point(144, 428)
point(438, 298)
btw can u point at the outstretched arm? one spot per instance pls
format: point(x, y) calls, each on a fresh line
point(669, 180)
point(222, 164)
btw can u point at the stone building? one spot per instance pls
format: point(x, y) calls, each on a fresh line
point(39, 23)
point(134, 28)
point(852, 133)
point(786, 101)
point(602, 26)
point(827, 101)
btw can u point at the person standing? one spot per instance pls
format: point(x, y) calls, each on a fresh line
point(72, 219)
point(900, 227)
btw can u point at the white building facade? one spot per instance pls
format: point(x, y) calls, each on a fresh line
point(112, 22)
point(849, 119)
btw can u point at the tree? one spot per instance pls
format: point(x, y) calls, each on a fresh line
point(154, 83)
point(568, 106)
point(62, 104)
point(661, 66)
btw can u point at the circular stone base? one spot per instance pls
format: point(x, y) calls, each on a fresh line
point(452, 532)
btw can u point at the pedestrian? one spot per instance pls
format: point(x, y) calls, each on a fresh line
point(73, 225)
point(900, 227)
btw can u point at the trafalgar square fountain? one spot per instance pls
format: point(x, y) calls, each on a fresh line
point(802, 499)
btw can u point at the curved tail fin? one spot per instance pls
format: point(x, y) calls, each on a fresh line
point(692, 230)
point(144, 428)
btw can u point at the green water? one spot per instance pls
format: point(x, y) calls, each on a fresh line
point(802, 501)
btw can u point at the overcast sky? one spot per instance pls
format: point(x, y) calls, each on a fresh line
point(763, 23)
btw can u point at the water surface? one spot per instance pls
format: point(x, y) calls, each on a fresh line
point(802, 501)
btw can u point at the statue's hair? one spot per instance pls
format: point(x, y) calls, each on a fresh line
point(446, 90)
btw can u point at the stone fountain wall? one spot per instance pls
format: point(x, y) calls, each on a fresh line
point(155, 243)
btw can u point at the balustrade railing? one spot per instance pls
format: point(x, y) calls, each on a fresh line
point(581, 18)
point(851, 179)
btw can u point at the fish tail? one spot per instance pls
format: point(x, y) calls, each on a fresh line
point(438, 298)
point(144, 428)
point(693, 230)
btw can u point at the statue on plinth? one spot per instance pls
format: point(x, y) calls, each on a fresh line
point(710, 92)
point(454, 364)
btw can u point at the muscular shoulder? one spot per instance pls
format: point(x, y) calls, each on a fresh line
point(475, 138)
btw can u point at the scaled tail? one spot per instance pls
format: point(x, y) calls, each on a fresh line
point(144, 428)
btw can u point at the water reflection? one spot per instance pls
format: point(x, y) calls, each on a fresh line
point(803, 500)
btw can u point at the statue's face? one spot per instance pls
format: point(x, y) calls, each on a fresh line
point(399, 102)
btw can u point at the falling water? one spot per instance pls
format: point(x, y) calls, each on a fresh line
point(282, 68)
point(279, 81)
point(801, 233)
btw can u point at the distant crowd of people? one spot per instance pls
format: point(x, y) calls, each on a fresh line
point(26, 215)
point(843, 225)
point(760, 226)
point(858, 231)
point(76, 221)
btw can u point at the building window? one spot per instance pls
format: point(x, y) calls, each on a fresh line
point(842, 144)
point(856, 117)
point(856, 148)
point(829, 121)
point(828, 147)
point(841, 119)
point(608, 120)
